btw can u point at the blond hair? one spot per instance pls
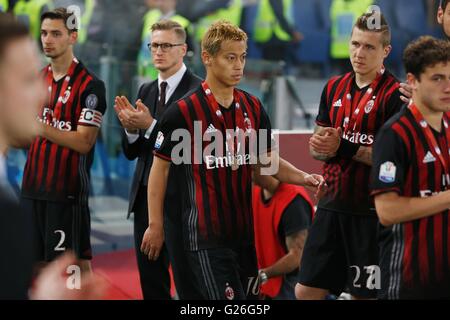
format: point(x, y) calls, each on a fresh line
point(170, 25)
point(220, 32)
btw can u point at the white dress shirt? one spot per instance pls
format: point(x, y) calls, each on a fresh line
point(172, 85)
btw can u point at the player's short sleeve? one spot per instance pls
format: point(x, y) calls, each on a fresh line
point(390, 163)
point(296, 217)
point(323, 117)
point(172, 130)
point(93, 104)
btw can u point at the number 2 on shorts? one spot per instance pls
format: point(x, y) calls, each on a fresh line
point(61, 241)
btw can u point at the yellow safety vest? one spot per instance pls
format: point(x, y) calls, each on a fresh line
point(232, 14)
point(145, 65)
point(31, 11)
point(86, 17)
point(344, 14)
point(267, 25)
point(4, 5)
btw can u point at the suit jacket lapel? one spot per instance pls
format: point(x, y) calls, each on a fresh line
point(153, 97)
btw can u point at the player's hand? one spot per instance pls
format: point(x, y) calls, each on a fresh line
point(124, 110)
point(52, 282)
point(152, 241)
point(316, 183)
point(406, 91)
point(141, 118)
point(327, 142)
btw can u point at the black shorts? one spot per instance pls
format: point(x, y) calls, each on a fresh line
point(341, 254)
point(225, 274)
point(60, 226)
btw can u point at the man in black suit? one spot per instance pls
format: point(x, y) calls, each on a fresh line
point(168, 46)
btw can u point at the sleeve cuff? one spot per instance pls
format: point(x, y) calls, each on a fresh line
point(347, 149)
point(377, 192)
point(131, 137)
point(149, 131)
point(161, 156)
point(323, 124)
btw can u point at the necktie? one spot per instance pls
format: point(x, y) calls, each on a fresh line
point(162, 99)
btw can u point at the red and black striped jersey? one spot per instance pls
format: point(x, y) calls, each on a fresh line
point(415, 255)
point(53, 172)
point(347, 179)
point(217, 209)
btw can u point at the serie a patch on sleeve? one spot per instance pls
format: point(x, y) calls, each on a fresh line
point(159, 140)
point(388, 171)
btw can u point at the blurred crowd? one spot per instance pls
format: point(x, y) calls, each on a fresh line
point(279, 29)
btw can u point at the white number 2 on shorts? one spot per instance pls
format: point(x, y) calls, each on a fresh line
point(61, 241)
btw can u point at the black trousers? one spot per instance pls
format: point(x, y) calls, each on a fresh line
point(154, 275)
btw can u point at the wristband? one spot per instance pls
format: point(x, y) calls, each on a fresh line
point(263, 278)
point(347, 149)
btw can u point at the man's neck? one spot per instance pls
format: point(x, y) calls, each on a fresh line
point(223, 94)
point(433, 118)
point(363, 80)
point(61, 64)
point(170, 72)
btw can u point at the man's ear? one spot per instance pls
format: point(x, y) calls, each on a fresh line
point(73, 37)
point(185, 49)
point(440, 15)
point(412, 81)
point(387, 51)
point(206, 58)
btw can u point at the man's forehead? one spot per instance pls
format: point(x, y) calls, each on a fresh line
point(237, 47)
point(439, 68)
point(164, 33)
point(366, 37)
point(52, 25)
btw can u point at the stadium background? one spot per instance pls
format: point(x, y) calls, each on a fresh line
point(290, 95)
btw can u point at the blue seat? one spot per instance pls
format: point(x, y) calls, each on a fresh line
point(324, 13)
point(307, 14)
point(310, 19)
point(387, 9)
point(400, 38)
point(411, 17)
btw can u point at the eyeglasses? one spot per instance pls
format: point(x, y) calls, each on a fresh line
point(164, 46)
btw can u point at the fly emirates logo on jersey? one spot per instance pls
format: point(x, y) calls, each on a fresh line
point(47, 117)
point(359, 138)
point(236, 152)
point(230, 158)
point(217, 150)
